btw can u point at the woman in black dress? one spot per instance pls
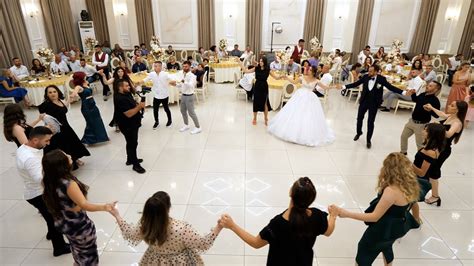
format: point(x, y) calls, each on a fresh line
point(291, 234)
point(425, 160)
point(65, 197)
point(260, 91)
point(454, 125)
point(66, 140)
point(388, 217)
point(15, 127)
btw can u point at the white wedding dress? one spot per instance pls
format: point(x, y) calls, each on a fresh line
point(302, 119)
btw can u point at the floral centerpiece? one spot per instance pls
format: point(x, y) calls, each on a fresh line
point(157, 51)
point(45, 55)
point(283, 56)
point(223, 44)
point(314, 44)
point(394, 54)
point(90, 43)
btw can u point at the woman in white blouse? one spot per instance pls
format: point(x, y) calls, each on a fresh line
point(170, 241)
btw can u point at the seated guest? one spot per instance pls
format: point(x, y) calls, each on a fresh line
point(355, 71)
point(429, 74)
point(416, 83)
point(453, 63)
point(172, 64)
point(200, 55)
point(199, 73)
point(20, 71)
point(417, 65)
point(136, 54)
point(275, 65)
point(37, 67)
point(74, 64)
point(292, 67)
point(194, 64)
point(139, 66)
point(58, 66)
point(170, 241)
point(380, 55)
point(106, 48)
point(8, 89)
point(246, 54)
point(246, 82)
point(73, 51)
point(417, 57)
point(305, 67)
point(236, 52)
point(170, 50)
point(207, 69)
point(367, 64)
point(145, 52)
point(314, 59)
point(123, 65)
point(361, 58)
point(118, 52)
point(426, 60)
point(64, 54)
point(91, 72)
point(221, 53)
point(323, 84)
point(336, 62)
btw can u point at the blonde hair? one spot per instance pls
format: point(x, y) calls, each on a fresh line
point(398, 171)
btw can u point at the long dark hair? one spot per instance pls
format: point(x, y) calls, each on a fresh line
point(56, 168)
point(60, 93)
point(314, 71)
point(125, 77)
point(461, 114)
point(154, 224)
point(12, 115)
point(302, 194)
point(414, 65)
point(436, 137)
point(265, 63)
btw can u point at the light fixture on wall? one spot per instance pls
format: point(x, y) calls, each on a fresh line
point(278, 29)
point(452, 14)
point(31, 10)
point(120, 9)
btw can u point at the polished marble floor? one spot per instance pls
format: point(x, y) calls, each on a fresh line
point(236, 168)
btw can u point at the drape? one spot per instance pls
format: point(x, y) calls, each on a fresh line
point(424, 27)
point(96, 10)
point(313, 22)
point(144, 21)
point(206, 23)
point(58, 24)
point(467, 37)
point(362, 27)
point(253, 27)
point(14, 41)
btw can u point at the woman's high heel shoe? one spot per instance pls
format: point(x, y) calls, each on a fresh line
point(437, 201)
point(254, 122)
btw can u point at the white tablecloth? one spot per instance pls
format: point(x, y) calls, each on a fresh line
point(225, 74)
point(173, 91)
point(274, 97)
point(36, 94)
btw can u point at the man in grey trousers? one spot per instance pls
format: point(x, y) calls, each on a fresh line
point(187, 86)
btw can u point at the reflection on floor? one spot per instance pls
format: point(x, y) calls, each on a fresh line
point(237, 168)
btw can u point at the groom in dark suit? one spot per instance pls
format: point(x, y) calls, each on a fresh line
point(370, 99)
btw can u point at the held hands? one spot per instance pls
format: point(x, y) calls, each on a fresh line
point(411, 92)
point(226, 221)
point(41, 117)
point(428, 107)
point(109, 207)
point(141, 105)
point(101, 72)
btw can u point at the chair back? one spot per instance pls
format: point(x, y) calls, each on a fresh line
point(114, 63)
point(440, 78)
point(345, 63)
point(184, 55)
point(288, 90)
point(306, 53)
point(437, 63)
point(205, 79)
point(194, 56)
point(236, 80)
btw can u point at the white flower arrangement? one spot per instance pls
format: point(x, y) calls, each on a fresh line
point(314, 43)
point(45, 55)
point(223, 44)
point(157, 51)
point(90, 43)
point(283, 56)
point(394, 54)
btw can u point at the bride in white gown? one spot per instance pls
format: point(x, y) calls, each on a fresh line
point(302, 119)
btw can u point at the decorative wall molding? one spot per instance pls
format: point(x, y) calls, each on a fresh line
point(33, 17)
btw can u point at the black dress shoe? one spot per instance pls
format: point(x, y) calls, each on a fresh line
point(385, 109)
point(369, 145)
point(357, 137)
point(155, 125)
point(64, 250)
point(129, 163)
point(168, 123)
point(139, 169)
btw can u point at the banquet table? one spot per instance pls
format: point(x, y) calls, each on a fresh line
point(275, 91)
point(36, 87)
point(224, 71)
point(173, 90)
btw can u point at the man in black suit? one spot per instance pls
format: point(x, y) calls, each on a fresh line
point(370, 99)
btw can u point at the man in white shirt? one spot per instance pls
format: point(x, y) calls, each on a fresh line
point(187, 86)
point(323, 84)
point(91, 72)
point(453, 63)
point(58, 66)
point(64, 54)
point(161, 81)
point(28, 162)
point(20, 71)
point(336, 62)
point(416, 83)
point(101, 62)
point(429, 74)
point(363, 55)
point(74, 64)
point(275, 65)
point(246, 83)
point(246, 54)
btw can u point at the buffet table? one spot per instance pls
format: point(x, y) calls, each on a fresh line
point(37, 86)
point(173, 90)
point(224, 71)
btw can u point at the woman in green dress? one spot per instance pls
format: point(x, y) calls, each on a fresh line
point(388, 217)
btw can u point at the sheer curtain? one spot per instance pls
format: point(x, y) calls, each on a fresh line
point(362, 27)
point(206, 23)
point(58, 24)
point(314, 19)
point(467, 35)
point(144, 20)
point(253, 27)
point(424, 27)
point(96, 10)
point(14, 41)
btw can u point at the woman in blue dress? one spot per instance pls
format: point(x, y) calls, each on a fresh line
point(8, 88)
point(95, 130)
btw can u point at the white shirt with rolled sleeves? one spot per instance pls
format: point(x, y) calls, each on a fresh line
point(188, 84)
point(275, 65)
point(416, 84)
point(247, 81)
point(89, 70)
point(75, 66)
point(20, 72)
point(160, 84)
point(326, 79)
point(28, 163)
point(61, 67)
point(454, 63)
point(98, 63)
